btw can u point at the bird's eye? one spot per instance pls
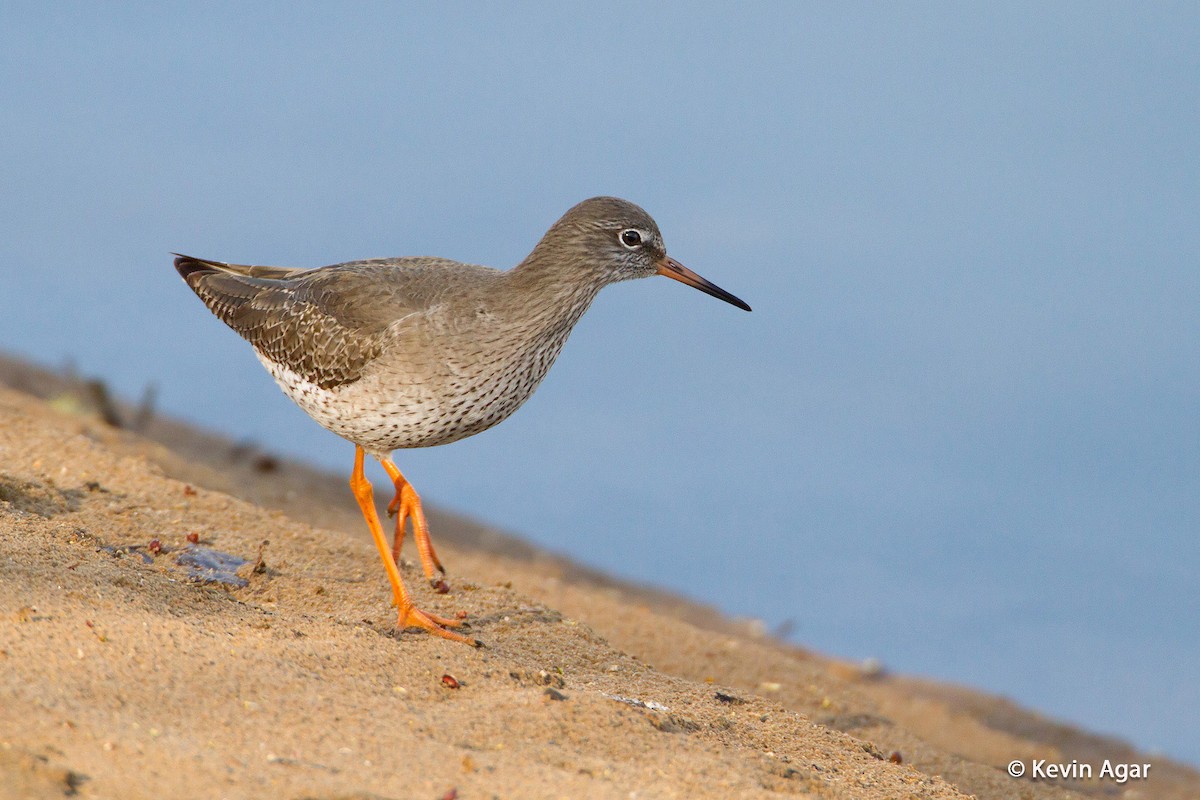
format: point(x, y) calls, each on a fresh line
point(631, 238)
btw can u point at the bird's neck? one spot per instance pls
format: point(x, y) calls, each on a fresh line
point(553, 286)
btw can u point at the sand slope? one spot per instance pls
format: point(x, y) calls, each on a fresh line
point(121, 677)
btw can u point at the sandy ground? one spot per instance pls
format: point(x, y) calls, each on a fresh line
point(123, 676)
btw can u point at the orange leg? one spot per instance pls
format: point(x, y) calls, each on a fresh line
point(409, 614)
point(404, 505)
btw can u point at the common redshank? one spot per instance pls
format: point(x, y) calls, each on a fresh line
point(392, 353)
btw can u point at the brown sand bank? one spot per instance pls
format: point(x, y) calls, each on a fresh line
point(120, 677)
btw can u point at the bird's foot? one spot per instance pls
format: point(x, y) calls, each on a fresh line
point(413, 617)
point(409, 615)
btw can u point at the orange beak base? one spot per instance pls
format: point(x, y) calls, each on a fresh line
point(676, 271)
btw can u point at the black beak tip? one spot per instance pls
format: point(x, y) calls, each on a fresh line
point(733, 300)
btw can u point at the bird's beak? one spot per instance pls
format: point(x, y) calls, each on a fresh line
point(673, 269)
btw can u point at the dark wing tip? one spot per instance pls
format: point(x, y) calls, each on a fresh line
point(187, 266)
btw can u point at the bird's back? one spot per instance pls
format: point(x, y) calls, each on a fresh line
point(325, 324)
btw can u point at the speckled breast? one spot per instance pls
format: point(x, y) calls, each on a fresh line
point(393, 406)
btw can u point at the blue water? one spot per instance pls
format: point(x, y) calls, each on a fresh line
point(959, 431)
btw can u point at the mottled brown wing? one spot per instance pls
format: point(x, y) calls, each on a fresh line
point(306, 320)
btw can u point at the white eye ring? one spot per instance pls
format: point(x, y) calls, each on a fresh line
point(632, 238)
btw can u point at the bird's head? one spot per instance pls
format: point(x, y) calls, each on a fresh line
point(615, 240)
